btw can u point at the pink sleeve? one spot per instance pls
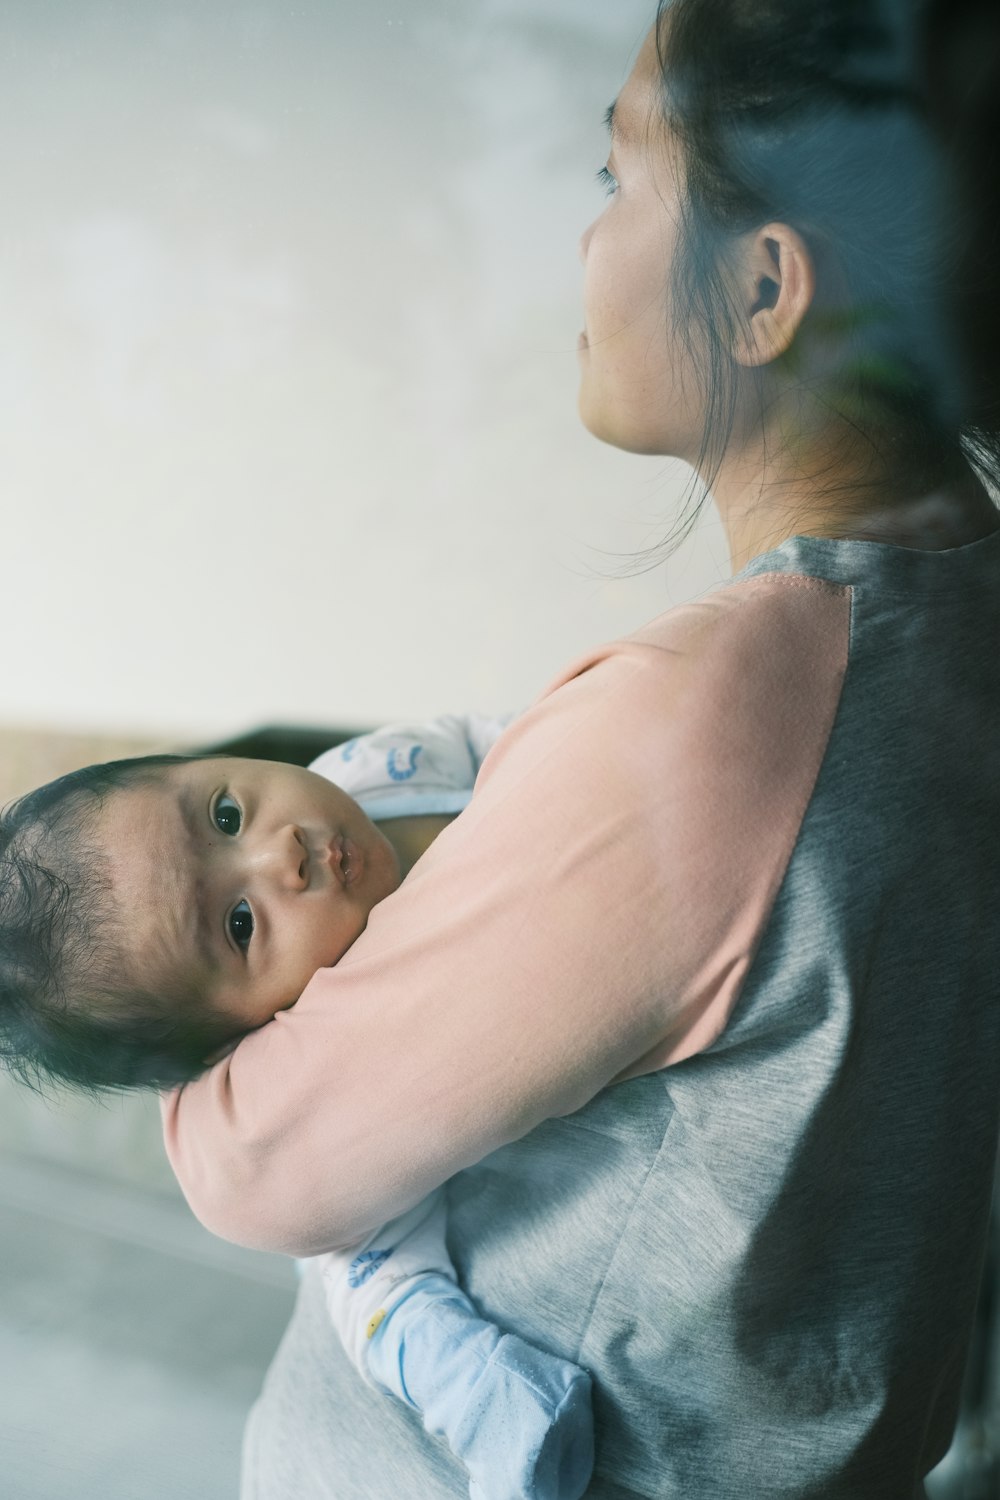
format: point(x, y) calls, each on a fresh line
point(591, 915)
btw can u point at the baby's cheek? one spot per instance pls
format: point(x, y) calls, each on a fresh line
point(334, 936)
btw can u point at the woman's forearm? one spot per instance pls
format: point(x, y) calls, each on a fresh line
point(591, 914)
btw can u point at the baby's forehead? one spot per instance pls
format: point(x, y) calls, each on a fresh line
point(159, 792)
point(141, 834)
point(139, 812)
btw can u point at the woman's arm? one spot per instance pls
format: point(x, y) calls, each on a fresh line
point(591, 914)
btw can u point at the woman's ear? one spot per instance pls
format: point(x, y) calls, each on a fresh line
point(776, 283)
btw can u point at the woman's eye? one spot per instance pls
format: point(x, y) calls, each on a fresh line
point(241, 925)
point(610, 183)
point(227, 815)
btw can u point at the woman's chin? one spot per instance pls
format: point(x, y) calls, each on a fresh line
point(617, 431)
point(596, 418)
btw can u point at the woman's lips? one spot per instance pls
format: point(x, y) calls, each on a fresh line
point(583, 342)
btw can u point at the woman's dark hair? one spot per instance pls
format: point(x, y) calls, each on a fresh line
point(69, 1009)
point(959, 58)
point(818, 116)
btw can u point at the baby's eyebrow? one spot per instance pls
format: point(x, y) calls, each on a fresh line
point(197, 916)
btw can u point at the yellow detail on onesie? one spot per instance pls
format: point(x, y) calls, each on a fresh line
point(374, 1322)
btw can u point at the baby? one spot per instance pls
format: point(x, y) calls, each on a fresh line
point(153, 911)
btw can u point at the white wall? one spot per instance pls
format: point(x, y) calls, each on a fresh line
point(289, 299)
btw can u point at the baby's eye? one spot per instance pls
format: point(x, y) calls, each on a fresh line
point(241, 925)
point(227, 815)
point(611, 183)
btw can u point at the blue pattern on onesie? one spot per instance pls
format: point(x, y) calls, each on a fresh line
point(404, 772)
point(364, 1266)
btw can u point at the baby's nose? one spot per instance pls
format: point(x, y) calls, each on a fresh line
point(285, 857)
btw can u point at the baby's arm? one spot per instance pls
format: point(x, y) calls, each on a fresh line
point(366, 1282)
point(517, 1417)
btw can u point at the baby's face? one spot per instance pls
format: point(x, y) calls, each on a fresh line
point(240, 878)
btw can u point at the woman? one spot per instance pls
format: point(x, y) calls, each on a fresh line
point(696, 1003)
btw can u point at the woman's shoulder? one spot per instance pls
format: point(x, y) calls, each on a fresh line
point(751, 650)
point(703, 731)
point(783, 612)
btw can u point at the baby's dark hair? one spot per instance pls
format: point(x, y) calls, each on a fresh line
point(70, 1010)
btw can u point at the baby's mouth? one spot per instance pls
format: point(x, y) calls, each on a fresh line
point(353, 862)
point(348, 859)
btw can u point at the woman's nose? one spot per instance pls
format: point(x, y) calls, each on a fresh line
point(283, 856)
point(584, 244)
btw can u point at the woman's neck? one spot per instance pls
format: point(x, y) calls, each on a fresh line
point(774, 489)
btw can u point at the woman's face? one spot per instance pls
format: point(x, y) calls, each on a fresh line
point(637, 381)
